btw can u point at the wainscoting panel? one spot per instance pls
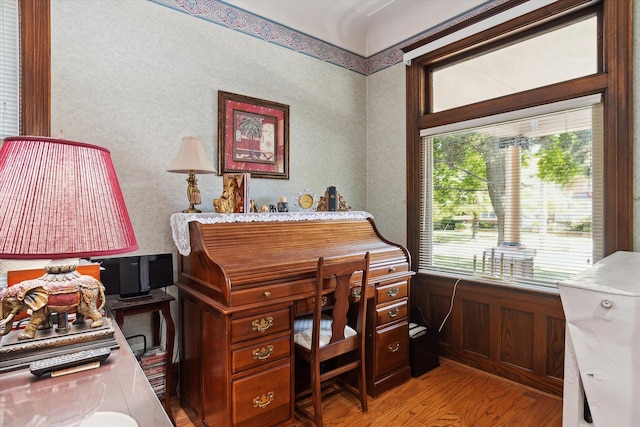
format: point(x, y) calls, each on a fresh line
point(475, 327)
point(514, 333)
point(516, 338)
point(555, 338)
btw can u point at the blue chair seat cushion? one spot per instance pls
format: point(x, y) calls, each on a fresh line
point(303, 327)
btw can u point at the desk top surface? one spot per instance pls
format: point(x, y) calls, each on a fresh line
point(118, 385)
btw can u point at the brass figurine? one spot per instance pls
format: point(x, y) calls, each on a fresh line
point(227, 201)
point(235, 193)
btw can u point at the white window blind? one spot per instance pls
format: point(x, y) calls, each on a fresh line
point(517, 200)
point(9, 69)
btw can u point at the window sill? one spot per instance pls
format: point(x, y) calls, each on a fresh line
point(493, 282)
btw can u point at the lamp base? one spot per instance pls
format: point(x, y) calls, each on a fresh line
point(191, 209)
point(62, 289)
point(17, 354)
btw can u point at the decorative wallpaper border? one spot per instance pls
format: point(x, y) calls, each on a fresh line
point(238, 19)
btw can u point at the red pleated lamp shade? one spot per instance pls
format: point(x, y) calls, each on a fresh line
point(60, 199)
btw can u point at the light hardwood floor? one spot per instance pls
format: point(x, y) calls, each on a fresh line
point(452, 395)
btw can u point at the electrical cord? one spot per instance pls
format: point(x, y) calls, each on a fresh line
point(455, 285)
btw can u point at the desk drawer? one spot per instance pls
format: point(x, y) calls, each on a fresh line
point(391, 291)
point(260, 325)
point(262, 399)
point(392, 348)
point(375, 273)
point(306, 306)
point(260, 353)
point(391, 312)
point(266, 294)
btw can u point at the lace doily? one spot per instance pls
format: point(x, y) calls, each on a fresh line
point(180, 221)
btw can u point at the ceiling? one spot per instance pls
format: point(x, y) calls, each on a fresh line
point(364, 27)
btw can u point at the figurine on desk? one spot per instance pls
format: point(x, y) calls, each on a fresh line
point(41, 298)
point(235, 194)
point(332, 201)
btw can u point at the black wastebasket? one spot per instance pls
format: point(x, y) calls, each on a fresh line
point(423, 345)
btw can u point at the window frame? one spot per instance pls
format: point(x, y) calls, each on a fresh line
point(35, 67)
point(614, 81)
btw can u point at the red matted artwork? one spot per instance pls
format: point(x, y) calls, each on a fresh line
point(253, 136)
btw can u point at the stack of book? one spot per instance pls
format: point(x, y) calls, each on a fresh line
point(153, 363)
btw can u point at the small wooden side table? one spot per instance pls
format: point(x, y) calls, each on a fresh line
point(157, 302)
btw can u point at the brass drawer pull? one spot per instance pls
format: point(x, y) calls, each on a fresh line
point(394, 347)
point(267, 294)
point(262, 324)
point(393, 312)
point(263, 401)
point(392, 292)
point(324, 301)
point(392, 269)
point(262, 353)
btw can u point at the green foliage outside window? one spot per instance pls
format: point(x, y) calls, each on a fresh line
point(469, 174)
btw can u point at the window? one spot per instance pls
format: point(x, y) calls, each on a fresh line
point(514, 200)
point(562, 53)
point(9, 69)
point(520, 171)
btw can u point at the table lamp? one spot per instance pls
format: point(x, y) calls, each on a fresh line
point(191, 159)
point(60, 200)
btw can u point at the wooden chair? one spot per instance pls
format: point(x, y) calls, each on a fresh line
point(335, 341)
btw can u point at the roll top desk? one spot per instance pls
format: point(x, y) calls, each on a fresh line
point(242, 280)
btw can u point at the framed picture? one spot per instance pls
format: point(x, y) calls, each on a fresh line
point(253, 136)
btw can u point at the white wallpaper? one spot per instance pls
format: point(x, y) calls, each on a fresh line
point(386, 152)
point(135, 77)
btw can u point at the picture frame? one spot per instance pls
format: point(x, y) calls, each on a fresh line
point(253, 136)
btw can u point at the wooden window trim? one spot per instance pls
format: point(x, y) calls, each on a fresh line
point(35, 67)
point(615, 82)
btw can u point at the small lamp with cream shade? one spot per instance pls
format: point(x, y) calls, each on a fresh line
point(191, 159)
